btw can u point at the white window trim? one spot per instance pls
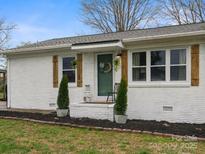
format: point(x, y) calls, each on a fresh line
point(70, 84)
point(153, 66)
point(144, 66)
point(167, 82)
point(179, 64)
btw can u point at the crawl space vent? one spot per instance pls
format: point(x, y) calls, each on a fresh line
point(167, 108)
point(52, 104)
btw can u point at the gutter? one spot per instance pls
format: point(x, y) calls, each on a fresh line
point(96, 46)
point(202, 32)
point(26, 50)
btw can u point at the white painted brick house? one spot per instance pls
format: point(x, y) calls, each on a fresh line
point(164, 68)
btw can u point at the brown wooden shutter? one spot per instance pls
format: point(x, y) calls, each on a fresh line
point(124, 60)
point(55, 71)
point(79, 70)
point(195, 65)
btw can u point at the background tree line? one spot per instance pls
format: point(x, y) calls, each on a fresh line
point(121, 15)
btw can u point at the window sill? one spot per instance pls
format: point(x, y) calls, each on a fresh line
point(160, 85)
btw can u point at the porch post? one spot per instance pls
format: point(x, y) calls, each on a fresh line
point(124, 61)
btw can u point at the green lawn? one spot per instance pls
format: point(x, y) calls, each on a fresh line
point(1, 95)
point(27, 137)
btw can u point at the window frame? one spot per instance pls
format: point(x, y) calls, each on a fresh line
point(71, 84)
point(167, 82)
point(177, 65)
point(157, 66)
point(144, 66)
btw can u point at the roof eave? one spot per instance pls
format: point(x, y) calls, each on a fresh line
point(28, 50)
point(101, 46)
point(166, 36)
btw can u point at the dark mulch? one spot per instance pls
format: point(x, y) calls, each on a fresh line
point(197, 130)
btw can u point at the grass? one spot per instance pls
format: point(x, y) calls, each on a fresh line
point(1, 95)
point(28, 137)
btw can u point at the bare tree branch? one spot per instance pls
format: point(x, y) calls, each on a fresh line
point(184, 11)
point(5, 30)
point(116, 15)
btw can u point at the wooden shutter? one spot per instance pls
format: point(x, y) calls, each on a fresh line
point(195, 65)
point(55, 71)
point(124, 60)
point(79, 70)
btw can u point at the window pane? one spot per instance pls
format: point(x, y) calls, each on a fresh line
point(178, 56)
point(70, 75)
point(139, 59)
point(178, 73)
point(139, 74)
point(158, 58)
point(67, 62)
point(158, 74)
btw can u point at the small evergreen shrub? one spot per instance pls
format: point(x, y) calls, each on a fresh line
point(63, 98)
point(121, 100)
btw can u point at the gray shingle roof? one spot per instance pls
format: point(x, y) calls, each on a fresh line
point(120, 35)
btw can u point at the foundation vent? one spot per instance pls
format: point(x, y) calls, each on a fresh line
point(167, 108)
point(52, 104)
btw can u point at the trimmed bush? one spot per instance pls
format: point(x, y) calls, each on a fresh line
point(63, 98)
point(121, 100)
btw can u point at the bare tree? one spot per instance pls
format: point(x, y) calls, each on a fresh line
point(117, 15)
point(5, 30)
point(184, 11)
point(23, 44)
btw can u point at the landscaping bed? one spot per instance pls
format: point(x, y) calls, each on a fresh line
point(197, 130)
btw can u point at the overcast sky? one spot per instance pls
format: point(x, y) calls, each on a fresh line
point(42, 19)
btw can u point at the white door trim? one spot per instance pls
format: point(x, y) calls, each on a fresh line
point(96, 97)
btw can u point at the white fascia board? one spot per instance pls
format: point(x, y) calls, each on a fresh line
point(25, 50)
point(98, 46)
point(202, 32)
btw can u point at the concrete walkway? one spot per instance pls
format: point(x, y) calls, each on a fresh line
point(2, 105)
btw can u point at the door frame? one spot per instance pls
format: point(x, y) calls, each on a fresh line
point(102, 98)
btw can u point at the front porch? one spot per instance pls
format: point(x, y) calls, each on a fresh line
point(99, 79)
point(103, 111)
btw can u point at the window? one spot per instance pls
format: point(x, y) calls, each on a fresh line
point(139, 66)
point(68, 68)
point(178, 65)
point(158, 65)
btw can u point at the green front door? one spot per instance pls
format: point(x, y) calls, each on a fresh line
point(105, 74)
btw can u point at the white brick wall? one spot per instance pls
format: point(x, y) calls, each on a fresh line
point(30, 86)
point(188, 102)
point(89, 72)
point(31, 83)
point(94, 111)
